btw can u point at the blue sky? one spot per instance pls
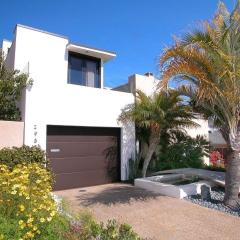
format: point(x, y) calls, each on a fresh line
point(137, 30)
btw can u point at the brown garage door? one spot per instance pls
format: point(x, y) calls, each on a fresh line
point(83, 156)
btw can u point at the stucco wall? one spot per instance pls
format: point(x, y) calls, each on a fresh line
point(147, 84)
point(201, 130)
point(11, 134)
point(51, 101)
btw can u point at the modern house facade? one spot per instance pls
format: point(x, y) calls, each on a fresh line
point(67, 110)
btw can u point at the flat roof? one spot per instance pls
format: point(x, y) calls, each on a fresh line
point(105, 55)
point(40, 30)
point(94, 52)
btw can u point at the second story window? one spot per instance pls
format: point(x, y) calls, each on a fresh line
point(83, 70)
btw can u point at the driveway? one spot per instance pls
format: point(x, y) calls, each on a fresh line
point(154, 216)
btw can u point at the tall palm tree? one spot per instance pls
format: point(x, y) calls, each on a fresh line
point(156, 113)
point(208, 61)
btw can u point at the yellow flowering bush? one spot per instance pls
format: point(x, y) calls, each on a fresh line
point(25, 197)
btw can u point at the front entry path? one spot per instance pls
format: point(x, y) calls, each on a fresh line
point(154, 216)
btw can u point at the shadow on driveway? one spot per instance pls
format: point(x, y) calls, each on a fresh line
point(107, 194)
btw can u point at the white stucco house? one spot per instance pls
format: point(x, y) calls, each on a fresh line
point(67, 111)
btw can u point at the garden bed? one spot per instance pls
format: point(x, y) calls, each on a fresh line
point(216, 202)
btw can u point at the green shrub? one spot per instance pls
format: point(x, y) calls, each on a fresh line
point(9, 228)
point(88, 228)
point(116, 231)
point(22, 155)
point(185, 152)
point(54, 230)
point(25, 197)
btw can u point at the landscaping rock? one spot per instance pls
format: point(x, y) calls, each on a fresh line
point(216, 201)
point(205, 193)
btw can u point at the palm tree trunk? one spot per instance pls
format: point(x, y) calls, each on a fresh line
point(232, 180)
point(153, 143)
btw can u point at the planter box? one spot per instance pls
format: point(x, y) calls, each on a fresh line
point(171, 190)
point(11, 134)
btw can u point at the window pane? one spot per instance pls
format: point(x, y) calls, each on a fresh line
point(83, 71)
point(91, 73)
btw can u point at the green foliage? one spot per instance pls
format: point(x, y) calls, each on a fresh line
point(85, 227)
point(11, 85)
point(165, 109)
point(25, 154)
point(54, 230)
point(154, 114)
point(112, 230)
point(115, 231)
point(9, 228)
point(25, 197)
point(185, 152)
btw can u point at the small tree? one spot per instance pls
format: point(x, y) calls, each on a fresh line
point(11, 85)
point(161, 111)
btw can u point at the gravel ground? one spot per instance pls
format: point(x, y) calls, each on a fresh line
point(217, 195)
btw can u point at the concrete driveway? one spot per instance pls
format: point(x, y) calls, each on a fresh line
point(154, 216)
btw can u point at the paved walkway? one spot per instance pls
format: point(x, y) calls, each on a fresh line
point(154, 216)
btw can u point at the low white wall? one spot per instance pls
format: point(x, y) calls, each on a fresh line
point(176, 191)
point(11, 134)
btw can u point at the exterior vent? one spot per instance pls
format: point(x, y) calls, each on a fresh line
point(148, 74)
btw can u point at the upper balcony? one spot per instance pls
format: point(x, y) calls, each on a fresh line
point(85, 65)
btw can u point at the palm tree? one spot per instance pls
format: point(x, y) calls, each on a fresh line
point(207, 60)
point(156, 113)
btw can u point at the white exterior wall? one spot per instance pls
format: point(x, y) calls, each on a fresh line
point(147, 84)
point(51, 101)
point(201, 130)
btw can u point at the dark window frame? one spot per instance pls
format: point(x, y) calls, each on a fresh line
point(85, 57)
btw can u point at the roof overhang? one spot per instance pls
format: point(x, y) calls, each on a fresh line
point(93, 52)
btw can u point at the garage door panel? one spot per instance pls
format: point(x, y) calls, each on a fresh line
point(74, 138)
point(83, 156)
point(71, 149)
point(60, 165)
point(81, 179)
